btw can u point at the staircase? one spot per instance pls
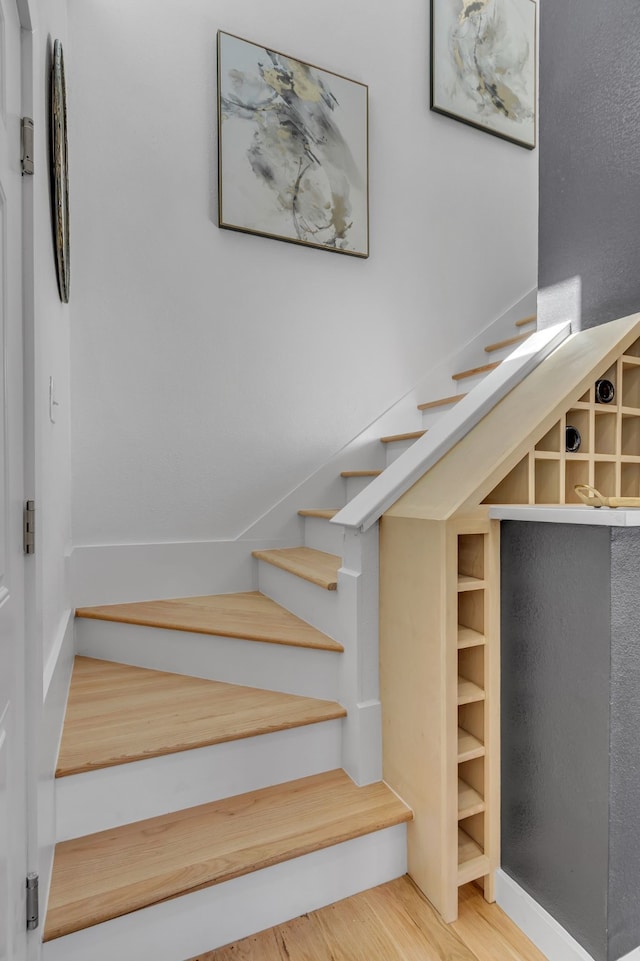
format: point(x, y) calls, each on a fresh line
point(220, 765)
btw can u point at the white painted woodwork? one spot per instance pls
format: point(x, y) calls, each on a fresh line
point(355, 485)
point(323, 536)
point(308, 601)
point(568, 514)
point(546, 933)
point(451, 428)
point(276, 667)
point(186, 926)
point(397, 447)
point(97, 800)
point(13, 638)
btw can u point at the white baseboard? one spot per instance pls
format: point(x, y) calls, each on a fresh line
point(550, 937)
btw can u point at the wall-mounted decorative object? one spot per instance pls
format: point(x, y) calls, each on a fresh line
point(59, 171)
point(292, 149)
point(483, 65)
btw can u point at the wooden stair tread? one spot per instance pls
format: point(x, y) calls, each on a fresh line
point(164, 857)
point(249, 615)
point(527, 320)
point(411, 435)
point(442, 402)
point(483, 369)
point(360, 473)
point(325, 513)
point(508, 342)
point(117, 714)
point(316, 566)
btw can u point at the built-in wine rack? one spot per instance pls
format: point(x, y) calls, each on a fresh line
point(477, 704)
point(608, 457)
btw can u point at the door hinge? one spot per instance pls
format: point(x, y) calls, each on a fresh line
point(26, 127)
point(33, 915)
point(29, 527)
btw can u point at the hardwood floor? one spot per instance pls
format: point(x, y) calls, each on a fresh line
point(393, 922)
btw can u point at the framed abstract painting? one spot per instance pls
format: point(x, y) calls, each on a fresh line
point(483, 65)
point(292, 149)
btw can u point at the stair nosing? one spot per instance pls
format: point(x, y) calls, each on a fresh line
point(483, 369)
point(410, 435)
point(518, 339)
point(442, 402)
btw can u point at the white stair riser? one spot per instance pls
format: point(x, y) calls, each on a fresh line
point(397, 447)
point(355, 485)
point(275, 667)
point(469, 383)
point(98, 800)
point(195, 923)
point(322, 535)
point(313, 604)
point(431, 416)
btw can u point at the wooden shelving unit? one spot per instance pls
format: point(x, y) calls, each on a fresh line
point(609, 453)
point(440, 593)
point(477, 750)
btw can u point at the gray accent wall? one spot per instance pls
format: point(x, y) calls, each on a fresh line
point(589, 140)
point(571, 727)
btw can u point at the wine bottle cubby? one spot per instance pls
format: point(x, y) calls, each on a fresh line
point(477, 796)
point(607, 457)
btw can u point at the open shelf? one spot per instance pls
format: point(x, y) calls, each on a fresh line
point(466, 583)
point(469, 747)
point(468, 692)
point(467, 637)
point(470, 801)
point(472, 861)
point(551, 440)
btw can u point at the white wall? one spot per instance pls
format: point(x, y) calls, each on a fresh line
point(213, 371)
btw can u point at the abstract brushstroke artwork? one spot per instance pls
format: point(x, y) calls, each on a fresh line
point(483, 65)
point(292, 149)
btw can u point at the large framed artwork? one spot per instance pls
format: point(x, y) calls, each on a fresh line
point(292, 149)
point(483, 65)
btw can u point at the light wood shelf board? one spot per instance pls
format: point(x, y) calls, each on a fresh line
point(325, 513)
point(442, 402)
point(472, 862)
point(628, 360)
point(469, 638)
point(318, 567)
point(468, 692)
point(360, 473)
point(164, 857)
point(411, 435)
point(249, 615)
point(467, 583)
point(526, 320)
point(469, 747)
point(117, 714)
point(483, 369)
point(490, 348)
point(470, 801)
